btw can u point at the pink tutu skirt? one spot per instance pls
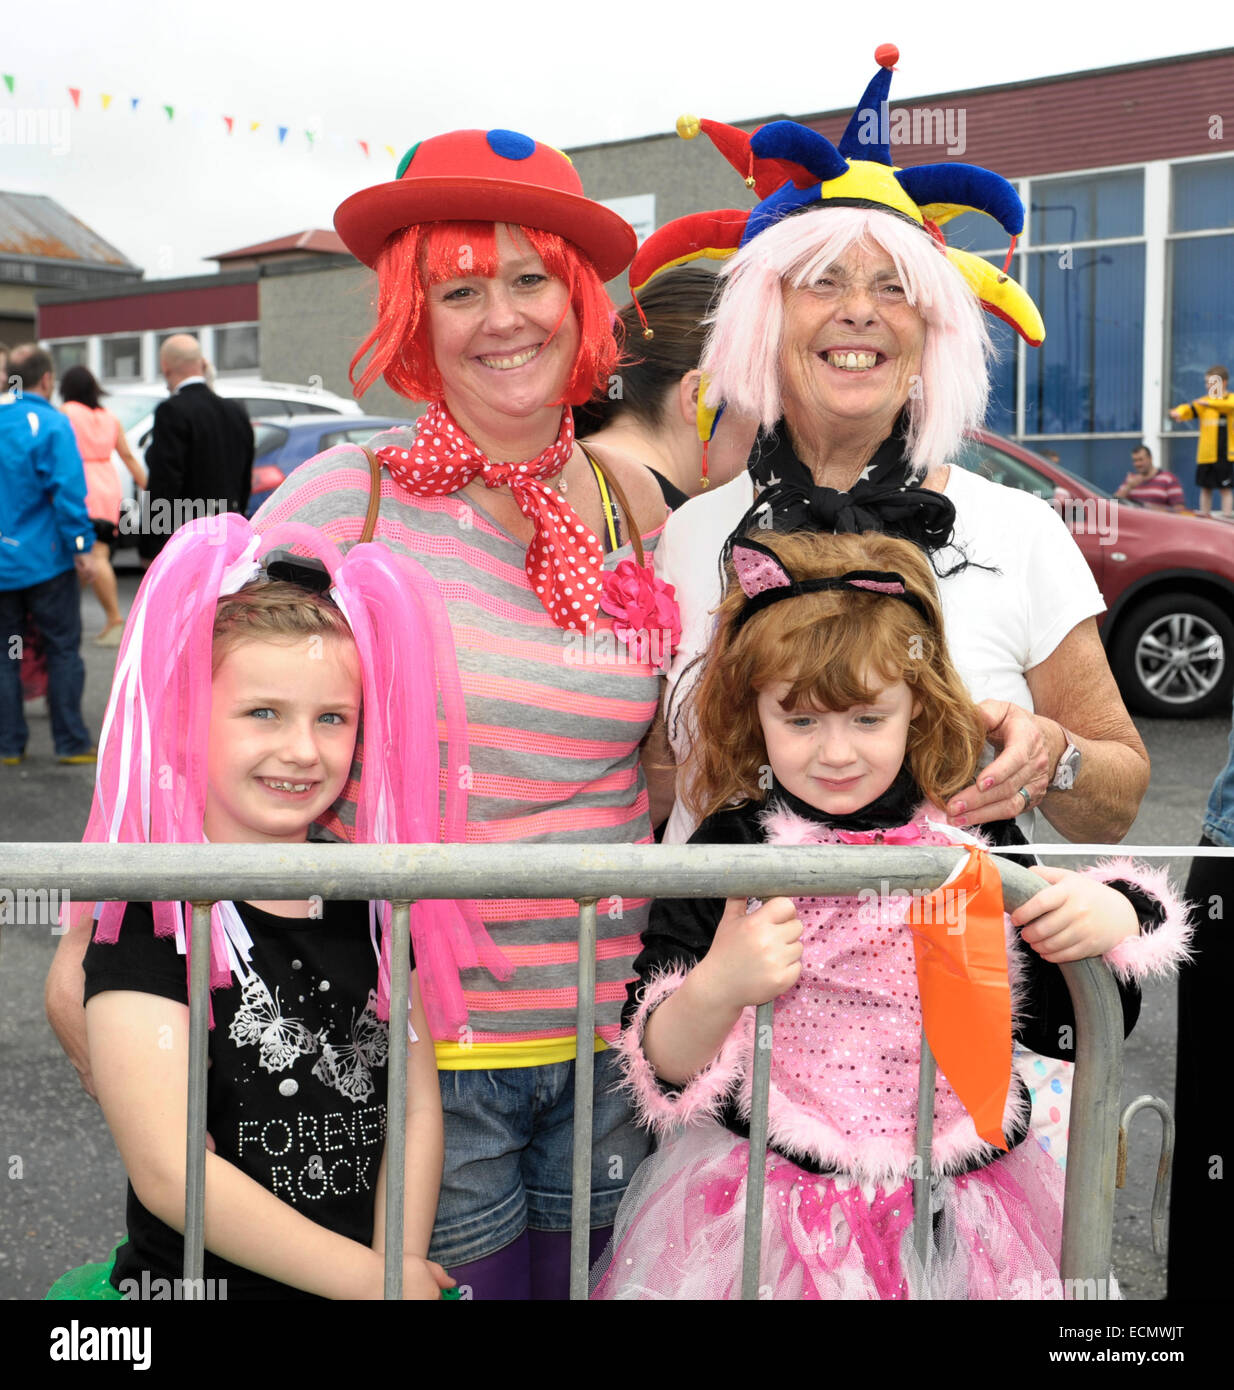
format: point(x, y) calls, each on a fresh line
point(678, 1235)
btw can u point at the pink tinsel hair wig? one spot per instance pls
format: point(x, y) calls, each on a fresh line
point(742, 356)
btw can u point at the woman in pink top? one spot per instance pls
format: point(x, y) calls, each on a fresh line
point(98, 433)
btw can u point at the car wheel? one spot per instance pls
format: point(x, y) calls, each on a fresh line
point(1173, 657)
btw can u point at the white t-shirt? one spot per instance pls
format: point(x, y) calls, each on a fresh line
point(998, 624)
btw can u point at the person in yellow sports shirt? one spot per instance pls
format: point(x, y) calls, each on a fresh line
point(1214, 459)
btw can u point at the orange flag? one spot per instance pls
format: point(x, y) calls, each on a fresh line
point(961, 951)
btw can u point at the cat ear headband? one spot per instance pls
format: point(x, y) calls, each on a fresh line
point(764, 581)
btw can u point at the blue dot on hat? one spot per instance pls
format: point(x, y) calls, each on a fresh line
point(509, 144)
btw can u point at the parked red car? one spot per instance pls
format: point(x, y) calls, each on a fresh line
point(1167, 577)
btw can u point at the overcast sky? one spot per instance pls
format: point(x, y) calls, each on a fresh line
point(169, 192)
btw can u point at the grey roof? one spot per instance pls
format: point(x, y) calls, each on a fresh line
point(35, 226)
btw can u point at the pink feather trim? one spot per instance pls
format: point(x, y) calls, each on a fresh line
point(1156, 953)
point(700, 1099)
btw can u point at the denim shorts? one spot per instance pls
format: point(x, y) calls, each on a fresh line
point(509, 1152)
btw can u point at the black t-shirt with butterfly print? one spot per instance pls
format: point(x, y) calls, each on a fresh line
point(297, 1081)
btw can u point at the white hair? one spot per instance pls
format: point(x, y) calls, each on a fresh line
point(742, 355)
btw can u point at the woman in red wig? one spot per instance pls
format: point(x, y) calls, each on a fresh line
point(491, 267)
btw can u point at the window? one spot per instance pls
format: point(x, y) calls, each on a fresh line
point(1086, 378)
point(267, 438)
point(1091, 208)
point(1201, 307)
point(66, 355)
point(176, 333)
point(236, 348)
point(999, 467)
point(131, 409)
point(355, 435)
point(1000, 409)
point(1203, 196)
point(264, 405)
point(122, 359)
point(976, 232)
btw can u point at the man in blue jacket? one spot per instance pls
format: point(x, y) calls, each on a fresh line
point(46, 537)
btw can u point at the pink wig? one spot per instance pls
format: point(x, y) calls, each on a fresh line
point(742, 356)
point(151, 780)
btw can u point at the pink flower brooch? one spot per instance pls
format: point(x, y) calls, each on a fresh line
point(644, 611)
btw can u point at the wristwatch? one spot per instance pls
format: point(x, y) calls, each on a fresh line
point(1068, 768)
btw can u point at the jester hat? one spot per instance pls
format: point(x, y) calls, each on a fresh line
point(793, 168)
point(151, 779)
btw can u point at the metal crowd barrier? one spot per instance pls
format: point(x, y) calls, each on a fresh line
point(202, 874)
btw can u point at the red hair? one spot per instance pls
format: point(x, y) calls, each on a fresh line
point(429, 253)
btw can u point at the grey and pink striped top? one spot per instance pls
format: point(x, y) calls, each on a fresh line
point(554, 736)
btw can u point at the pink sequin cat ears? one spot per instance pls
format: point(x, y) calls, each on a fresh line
point(764, 581)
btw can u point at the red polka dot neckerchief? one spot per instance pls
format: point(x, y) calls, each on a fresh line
point(564, 561)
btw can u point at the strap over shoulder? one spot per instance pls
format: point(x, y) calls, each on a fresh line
point(374, 496)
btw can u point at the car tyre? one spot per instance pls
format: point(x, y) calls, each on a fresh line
point(1173, 657)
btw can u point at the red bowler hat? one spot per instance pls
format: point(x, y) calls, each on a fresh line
point(487, 176)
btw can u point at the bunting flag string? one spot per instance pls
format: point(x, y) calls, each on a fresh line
point(196, 118)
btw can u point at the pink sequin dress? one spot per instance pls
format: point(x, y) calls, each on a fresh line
point(843, 1100)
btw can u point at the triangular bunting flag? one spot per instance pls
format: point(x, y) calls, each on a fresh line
point(253, 126)
point(171, 112)
point(133, 103)
point(282, 133)
point(364, 146)
point(75, 93)
point(311, 136)
point(9, 79)
point(229, 122)
point(105, 98)
point(389, 149)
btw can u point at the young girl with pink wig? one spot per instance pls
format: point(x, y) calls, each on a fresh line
point(234, 717)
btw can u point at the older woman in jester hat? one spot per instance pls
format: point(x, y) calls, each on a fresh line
point(851, 330)
point(855, 334)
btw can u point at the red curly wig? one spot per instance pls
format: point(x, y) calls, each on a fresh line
point(427, 254)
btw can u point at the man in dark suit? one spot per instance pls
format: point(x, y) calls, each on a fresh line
point(200, 457)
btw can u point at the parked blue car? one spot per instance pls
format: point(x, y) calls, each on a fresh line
point(284, 442)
